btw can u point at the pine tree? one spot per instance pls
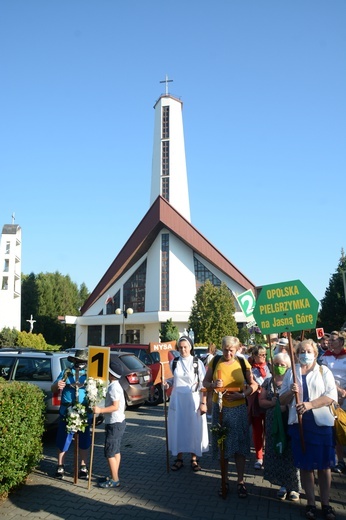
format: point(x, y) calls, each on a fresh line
point(169, 331)
point(212, 314)
point(332, 315)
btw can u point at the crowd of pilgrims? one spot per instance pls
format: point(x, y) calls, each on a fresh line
point(245, 393)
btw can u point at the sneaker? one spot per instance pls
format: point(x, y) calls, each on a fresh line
point(293, 495)
point(60, 471)
point(83, 472)
point(340, 467)
point(103, 479)
point(328, 512)
point(110, 483)
point(282, 493)
point(258, 464)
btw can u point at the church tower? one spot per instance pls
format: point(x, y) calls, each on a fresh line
point(169, 175)
point(10, 276)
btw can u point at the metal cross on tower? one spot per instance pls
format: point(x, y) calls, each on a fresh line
point(166, 81)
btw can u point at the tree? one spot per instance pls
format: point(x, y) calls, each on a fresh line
point(47, 296)
point(8, 337)
point(212, 313)
point(332, 315)
point(169, 331)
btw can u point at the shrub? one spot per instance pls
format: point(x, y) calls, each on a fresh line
point(21, 427)
point(28, 339)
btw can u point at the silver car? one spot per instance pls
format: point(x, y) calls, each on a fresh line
point(40, 368)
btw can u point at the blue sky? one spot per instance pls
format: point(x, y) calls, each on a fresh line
point(263, 84)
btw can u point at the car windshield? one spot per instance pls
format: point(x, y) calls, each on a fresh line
point(131, 362)
point(65, 363)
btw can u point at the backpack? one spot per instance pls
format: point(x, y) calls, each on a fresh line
point(216, 359)
point(340, 419)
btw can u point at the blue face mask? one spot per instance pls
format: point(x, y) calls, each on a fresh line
point(306, 358)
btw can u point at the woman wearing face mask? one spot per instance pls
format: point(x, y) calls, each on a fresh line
point(279, 469)
point(316, 390)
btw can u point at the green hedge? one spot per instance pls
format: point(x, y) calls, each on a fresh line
point(21, 427)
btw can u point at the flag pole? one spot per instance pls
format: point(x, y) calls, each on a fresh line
point(296, 394)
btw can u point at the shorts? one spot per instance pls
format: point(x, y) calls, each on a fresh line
point(64, 439)
point(114, 435)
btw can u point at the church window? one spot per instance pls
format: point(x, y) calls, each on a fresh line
point(203, 274)
point(8, 248)
point(112, 334)
point(165, 188)
point(134, 289)
point(94, 335)
point(4, 285)
point(165, 272)
point(165, 122)
point(113, 303)
point(165, 158)
point(6, 265)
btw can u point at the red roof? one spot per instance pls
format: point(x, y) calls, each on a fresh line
point(162, 215)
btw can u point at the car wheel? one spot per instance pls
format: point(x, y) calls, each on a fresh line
point(155, 396)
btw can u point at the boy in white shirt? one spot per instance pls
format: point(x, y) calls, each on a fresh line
point(114, 411)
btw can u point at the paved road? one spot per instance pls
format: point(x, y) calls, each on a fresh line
point(147, 490)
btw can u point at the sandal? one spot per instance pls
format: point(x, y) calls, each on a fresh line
point(178, 464)
point(242, 491)
point(328, 513)
point(310, 512)
point(195, 466)
point(220, 489)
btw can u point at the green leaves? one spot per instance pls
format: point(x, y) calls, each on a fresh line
point(212, 312)
point(21, 428)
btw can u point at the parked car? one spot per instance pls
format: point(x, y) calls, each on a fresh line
point(153, 361)
point(40, 368)
point(202, 353)
point(135, 378)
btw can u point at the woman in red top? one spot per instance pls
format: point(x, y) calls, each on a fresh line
point(260, 372)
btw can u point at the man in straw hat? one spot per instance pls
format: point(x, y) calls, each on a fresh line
point(71, 383)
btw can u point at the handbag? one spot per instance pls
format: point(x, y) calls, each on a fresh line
point(278, 431)
point(340, 423)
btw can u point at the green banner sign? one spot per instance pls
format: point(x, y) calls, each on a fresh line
point(285, 307)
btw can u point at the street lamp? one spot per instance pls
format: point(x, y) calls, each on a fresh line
point(125, 312)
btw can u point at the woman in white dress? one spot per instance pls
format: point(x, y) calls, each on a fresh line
point(187, 423)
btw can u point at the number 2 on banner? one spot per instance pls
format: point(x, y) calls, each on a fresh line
point(98, 363)
point(247, 302)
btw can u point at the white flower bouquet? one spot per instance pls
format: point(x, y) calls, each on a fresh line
point(76, 418)
point(95, 391)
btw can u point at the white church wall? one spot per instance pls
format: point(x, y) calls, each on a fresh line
point(153, 280)
point(182, 284)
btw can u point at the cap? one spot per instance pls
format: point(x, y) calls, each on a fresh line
point(283, 342)
point(114, 369)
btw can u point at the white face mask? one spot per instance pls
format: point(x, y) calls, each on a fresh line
point(306, 358)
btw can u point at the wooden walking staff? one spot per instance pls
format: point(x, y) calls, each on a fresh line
point(296, 394)
point(76, 449)
point(224, 470)
point(92, 451)
point(163, 381)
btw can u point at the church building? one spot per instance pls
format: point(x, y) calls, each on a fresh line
point(158, 271)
